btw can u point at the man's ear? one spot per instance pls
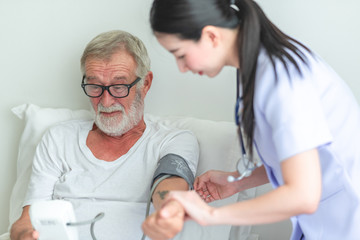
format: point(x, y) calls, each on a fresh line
point(147, 82)
point(211, 33)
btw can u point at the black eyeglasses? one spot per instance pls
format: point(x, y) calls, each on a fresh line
point(116, 90)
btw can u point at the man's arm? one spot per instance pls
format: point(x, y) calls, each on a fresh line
point(169, 184)
point(22, 228)
point(179, 159)
point(155, 226)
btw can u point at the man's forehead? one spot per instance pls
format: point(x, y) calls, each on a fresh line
point(119, 63)
point(116, 56)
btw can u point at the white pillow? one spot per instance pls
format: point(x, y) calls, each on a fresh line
point(219, 145)
point(37, 121)
point(219, 149)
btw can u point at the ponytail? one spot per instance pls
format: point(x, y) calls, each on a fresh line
point(256, 31)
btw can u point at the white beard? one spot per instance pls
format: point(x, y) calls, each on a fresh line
point(119, 124)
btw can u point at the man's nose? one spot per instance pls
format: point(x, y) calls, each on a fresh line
point(106, 99)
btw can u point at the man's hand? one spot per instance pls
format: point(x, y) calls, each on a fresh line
point(22, 228)
point(166, 222)
point(27, 234)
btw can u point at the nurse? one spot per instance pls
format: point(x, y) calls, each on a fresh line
point(293, 108)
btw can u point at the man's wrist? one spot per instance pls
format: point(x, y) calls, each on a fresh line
point(176, 205)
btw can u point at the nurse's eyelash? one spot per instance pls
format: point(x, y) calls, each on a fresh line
point(181, 57)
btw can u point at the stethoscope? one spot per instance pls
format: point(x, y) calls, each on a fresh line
point(244, 159)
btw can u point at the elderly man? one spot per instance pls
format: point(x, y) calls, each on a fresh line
point(109, 165)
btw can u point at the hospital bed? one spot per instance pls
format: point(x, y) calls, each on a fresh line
point(219, 149)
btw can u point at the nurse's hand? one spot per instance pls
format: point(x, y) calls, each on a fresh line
point(196, 209)
point(166, 222)
point(213, 185)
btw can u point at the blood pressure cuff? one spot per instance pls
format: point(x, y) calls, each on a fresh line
point(174, 165)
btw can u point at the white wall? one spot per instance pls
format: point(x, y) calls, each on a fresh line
point(41, 42)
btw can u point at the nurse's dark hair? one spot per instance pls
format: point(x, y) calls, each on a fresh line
point(187, 18)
